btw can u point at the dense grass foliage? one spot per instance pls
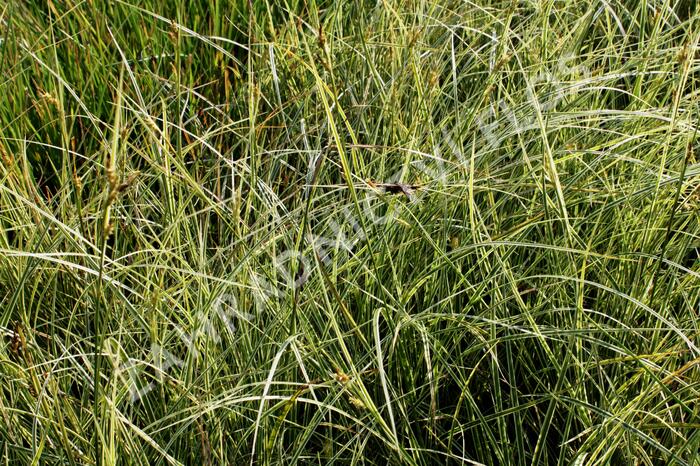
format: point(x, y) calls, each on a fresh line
point(366, 232)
